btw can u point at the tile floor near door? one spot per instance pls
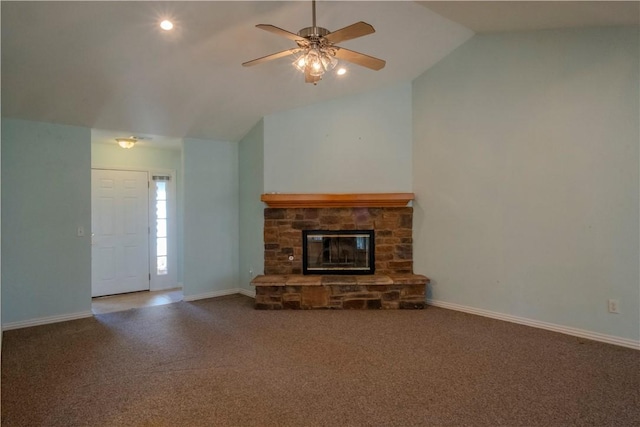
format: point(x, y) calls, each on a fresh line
point(122, 302)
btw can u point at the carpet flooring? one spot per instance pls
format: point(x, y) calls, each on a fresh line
point(219, 362)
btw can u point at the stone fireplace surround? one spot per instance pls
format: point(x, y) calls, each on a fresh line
point(393, 286)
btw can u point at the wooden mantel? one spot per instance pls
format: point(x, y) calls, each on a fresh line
point(371, 200)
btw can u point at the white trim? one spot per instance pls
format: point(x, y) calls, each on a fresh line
point(46, 320)
point(595, 336)
point(247, 292)
point(114, 168)
point(211, 294)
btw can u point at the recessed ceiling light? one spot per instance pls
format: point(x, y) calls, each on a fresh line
point(166, 25)
point(341, 71)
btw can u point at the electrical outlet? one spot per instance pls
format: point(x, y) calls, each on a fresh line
point(80, 231)
point(250, 270)
point(613, 306)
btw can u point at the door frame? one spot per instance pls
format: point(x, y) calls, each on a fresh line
point(156, 284)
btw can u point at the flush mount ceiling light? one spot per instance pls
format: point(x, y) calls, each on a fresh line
point(127, 142)
point(317, 50)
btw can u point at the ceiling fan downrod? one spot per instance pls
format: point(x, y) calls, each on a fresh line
point(314, 33)
point(313, 12)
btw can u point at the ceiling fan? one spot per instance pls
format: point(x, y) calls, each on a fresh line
point(317, 48)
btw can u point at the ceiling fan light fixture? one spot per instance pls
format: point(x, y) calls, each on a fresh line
point(316, 61)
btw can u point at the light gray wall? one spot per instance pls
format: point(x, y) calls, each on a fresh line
point(526, 177)
point(0, 254)
point(251, 171)
point(356, 144)
point(211, 242)
point(112, 156)
point(46, 195)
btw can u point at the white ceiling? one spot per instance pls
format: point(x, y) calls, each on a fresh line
point(498, 16)
point(108, 66)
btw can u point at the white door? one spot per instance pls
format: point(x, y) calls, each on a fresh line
point(120, 232)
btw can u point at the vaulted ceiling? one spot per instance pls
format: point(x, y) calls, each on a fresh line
point(108, 66)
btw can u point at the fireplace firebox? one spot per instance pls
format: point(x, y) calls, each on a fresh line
point(338, 252)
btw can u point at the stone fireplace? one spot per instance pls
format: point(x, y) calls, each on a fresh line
point(392, 226)
point(335, 270)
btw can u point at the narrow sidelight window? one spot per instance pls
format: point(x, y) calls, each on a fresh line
point(161, 224)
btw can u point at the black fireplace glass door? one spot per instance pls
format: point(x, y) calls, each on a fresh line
point(338, 252)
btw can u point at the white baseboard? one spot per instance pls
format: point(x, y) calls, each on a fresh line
point(211, 294)
point(595, 336)
point(247, 292)
point(46, 320)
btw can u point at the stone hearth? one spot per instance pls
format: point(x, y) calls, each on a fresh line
point(395, 291)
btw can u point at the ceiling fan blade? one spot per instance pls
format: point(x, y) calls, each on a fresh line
point(360, 58)
point(271, 57)
point(279, 31)
point(353, 31)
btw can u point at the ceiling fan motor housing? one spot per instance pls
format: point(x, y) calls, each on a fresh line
point(313, 32)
